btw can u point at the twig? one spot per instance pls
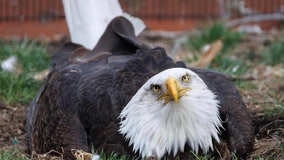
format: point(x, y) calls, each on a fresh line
point(270, 123)
point(255, 18)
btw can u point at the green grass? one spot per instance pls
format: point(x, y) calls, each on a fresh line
point(113, 156)
point(282, 151)
point(213, 33)
point(222, 62)
point(273, 113)
point(19, 89)
point(12, 154)
point(229, 66)
point(244, 84)
point(274, 54)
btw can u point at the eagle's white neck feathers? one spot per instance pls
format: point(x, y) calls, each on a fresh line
point(155, 128)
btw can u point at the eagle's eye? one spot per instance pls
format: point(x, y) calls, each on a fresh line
point(185, 78)
point(155, 88)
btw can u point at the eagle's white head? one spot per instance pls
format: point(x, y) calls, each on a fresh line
point(171, 109)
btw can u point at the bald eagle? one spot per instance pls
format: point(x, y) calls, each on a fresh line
point(130, 99)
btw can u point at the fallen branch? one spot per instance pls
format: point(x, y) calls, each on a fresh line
point(207, 57)
point(255, 18)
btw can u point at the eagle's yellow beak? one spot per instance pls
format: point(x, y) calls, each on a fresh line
point(172, 88)
point(174, 91)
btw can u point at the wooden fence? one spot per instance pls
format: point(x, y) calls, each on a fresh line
point(46, 17)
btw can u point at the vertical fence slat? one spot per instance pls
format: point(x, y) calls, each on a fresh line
point(4, 9)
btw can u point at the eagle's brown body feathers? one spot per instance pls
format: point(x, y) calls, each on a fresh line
point(79, 105)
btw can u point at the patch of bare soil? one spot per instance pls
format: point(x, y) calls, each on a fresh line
point(13, 132)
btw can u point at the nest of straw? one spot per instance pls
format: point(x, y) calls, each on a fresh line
point(55, 155)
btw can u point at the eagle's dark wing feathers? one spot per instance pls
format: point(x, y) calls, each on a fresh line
point(63, 112)
point(237, 123)
point(53, 116)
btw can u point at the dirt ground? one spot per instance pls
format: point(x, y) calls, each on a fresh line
point(263, 95)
